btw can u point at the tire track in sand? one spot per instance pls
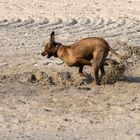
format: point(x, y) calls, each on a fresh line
point(70, 30)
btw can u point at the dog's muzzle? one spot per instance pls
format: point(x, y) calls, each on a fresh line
point(49, 56)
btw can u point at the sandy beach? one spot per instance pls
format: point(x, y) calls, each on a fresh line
point(44, 99)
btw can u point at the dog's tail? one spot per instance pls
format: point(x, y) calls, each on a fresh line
point(120, 56)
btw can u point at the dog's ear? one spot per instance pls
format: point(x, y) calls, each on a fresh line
point(52, 37)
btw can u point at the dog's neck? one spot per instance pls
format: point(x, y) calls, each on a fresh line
point(60, 51)
point(63, 51)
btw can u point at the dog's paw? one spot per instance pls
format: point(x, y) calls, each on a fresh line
point(96, 83)
point(83, 74)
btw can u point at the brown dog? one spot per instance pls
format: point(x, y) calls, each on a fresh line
point(81, 53)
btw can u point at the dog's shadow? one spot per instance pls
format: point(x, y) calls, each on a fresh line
point(89, 79)
point(132, 79)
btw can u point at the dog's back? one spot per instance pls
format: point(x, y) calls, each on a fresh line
point(88, 46)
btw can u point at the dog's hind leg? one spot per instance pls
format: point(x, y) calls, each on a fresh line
point(95, 72)
point(84, 62)
point(102, 69)
point(98, 63)
point(102, 72)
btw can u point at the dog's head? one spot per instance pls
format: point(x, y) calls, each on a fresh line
point(50, 48)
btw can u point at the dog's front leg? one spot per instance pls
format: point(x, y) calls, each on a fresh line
point(81, 70)
point(82, 63)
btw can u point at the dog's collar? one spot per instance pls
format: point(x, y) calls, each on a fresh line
point(56, 49)
point(57, 46)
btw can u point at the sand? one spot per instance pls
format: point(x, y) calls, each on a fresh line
point(43, 99)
